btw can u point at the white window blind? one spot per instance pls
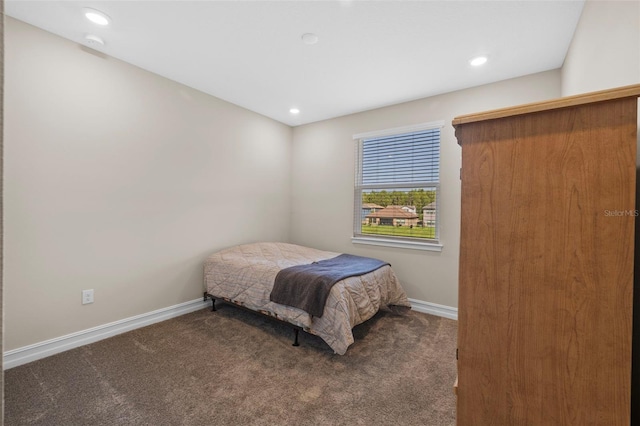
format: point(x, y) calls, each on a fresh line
point(397, 185)
point(404, 159)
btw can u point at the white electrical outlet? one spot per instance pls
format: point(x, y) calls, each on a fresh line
point(87, 296)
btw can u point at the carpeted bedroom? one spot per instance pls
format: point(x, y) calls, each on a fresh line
point(319, 213)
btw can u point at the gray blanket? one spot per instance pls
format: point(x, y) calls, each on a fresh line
point(307, 286)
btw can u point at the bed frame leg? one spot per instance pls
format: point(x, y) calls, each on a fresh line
point(213, 301)
point(295, 343)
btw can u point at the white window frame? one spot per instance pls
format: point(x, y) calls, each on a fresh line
point(412, 243)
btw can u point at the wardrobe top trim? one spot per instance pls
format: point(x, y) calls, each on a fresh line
point(632, 91)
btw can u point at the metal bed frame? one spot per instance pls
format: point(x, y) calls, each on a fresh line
point(296, 329)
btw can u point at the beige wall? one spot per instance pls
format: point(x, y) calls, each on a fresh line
point(323, 158)
point(122, 181)
point(605, 51)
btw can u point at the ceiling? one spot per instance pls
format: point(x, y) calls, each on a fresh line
point(369, 54)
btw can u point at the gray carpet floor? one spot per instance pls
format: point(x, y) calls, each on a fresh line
point(233, 367)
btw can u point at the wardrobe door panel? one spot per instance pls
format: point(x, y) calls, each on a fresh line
point(546, 266)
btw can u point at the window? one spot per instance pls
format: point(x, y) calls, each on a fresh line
point(397, 187)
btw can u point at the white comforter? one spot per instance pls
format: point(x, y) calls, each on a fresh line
point(245, 274)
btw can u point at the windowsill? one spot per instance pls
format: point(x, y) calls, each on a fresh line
point(397, 243)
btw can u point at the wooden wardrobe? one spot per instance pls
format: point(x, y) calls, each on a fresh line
point(547, 262)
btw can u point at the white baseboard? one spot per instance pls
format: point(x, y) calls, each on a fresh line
point(25, 354)
point(434, 309)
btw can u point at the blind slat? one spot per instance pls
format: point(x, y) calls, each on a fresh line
point(409, 157)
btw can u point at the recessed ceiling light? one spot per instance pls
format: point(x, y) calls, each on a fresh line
point(309, 38)
point(94, 40)
point(477, 61)
point(294, 111)
point(96, 17)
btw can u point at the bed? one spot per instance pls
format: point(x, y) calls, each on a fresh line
point(244, 275)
